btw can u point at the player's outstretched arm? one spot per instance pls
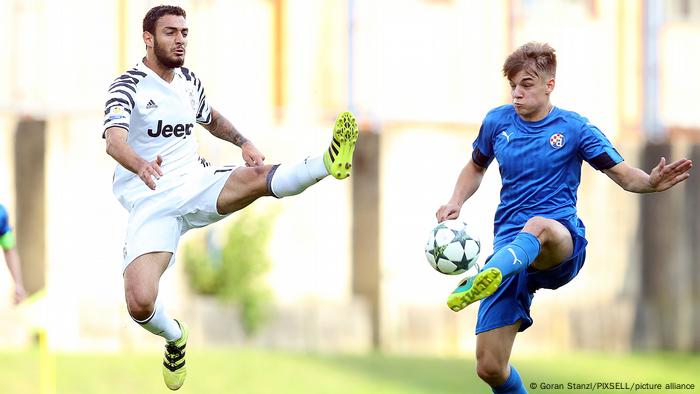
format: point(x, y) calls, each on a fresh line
point(220, 127)
point(662, 177)
point(13, 265)
point(124, 154)
point(468, 182)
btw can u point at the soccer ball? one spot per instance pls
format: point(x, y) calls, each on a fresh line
point(453, 248)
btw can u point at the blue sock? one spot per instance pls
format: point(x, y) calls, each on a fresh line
point(516, 256)
point(512, 385)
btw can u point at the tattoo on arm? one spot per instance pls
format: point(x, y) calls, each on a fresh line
point(220, 127)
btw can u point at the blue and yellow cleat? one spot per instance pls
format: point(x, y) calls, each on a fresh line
point(338, 157)
point(174, 369)
point(475, 288)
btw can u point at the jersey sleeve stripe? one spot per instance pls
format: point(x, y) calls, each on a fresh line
point(186, 73)
point(119, 82)
point(127, 94)
point(116, 100)
point(129, 86)
point(136, 72)
point(126, 78)
point(202, 107)
point(132, 76)
point(206, 121)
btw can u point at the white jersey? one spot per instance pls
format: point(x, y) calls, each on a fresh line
point(160, 118)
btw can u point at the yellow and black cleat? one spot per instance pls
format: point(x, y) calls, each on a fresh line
point(338, 157)
point(475, 288)
point(174, 369)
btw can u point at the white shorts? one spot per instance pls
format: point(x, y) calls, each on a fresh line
point(157, 220)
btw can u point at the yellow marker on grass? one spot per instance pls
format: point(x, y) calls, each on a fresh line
point(35, 309)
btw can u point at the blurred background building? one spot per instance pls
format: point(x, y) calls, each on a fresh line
point(420, 75)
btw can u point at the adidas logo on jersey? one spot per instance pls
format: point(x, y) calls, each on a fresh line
point(178, 130)
point(151, 104)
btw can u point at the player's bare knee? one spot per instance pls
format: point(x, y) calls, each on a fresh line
point(140, 312)
point(537, 226)
point(257, 173)
point(139, 306)
point(261, 174)
point(491, 370)
point(541, 228)
point(254, 179)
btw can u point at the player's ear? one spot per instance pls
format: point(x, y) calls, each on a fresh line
point(148, 39)
point(549, 86)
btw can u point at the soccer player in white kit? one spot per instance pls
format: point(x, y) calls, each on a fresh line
point(167, 188)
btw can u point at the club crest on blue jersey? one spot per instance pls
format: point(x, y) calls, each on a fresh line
point(556, 140)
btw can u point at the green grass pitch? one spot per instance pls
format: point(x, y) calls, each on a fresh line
point(264, 372)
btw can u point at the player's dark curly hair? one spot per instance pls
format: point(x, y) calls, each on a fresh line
point(533, 57)
point(155, 13)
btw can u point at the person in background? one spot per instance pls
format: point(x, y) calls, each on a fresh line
point(8, 244)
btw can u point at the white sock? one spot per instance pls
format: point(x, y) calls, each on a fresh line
point(161, 324)
point(290, 179)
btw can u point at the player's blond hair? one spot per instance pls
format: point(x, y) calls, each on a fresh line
point(534, 57)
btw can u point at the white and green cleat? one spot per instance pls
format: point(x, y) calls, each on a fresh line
point(474, 289)
point(174, 369)
point(338, 157)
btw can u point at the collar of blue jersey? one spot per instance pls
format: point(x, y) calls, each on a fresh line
point(551, 116)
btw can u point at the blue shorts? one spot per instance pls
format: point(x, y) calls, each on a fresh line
point(511, 302)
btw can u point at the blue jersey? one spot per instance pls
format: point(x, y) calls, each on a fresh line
point(4, 221)
point(540, 165)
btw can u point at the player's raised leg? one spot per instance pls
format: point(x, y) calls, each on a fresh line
point(247, 184)
point(141, 279)
point(493, 350)
point(542, 242)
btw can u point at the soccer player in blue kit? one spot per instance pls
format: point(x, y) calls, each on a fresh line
point(539, 241)
point(8, 245)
